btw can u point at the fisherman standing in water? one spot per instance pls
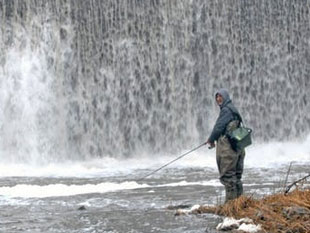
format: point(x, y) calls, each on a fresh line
point(229, 159)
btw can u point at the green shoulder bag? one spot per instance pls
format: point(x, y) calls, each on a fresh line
point(240, 137)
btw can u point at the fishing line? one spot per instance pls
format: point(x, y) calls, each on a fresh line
point(181, 156)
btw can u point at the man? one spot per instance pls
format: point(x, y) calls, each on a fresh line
point(229, 159)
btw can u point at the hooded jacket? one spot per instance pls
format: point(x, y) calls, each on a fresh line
point(228, 113)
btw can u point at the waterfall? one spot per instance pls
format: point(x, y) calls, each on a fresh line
point(123, 77)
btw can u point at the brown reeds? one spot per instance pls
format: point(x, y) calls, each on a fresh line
point(287, 213)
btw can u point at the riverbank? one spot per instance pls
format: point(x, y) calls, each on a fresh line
point(274, 213)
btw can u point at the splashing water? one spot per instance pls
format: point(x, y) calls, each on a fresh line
point(86, 79)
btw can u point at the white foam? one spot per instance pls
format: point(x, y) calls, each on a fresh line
point(214, 183)
point(56, 190)
point(257, 155)
point(274, 154)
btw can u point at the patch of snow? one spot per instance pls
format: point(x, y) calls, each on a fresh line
point(195, 207)
point(251, 228)
point(228, 224)
point(243, 224)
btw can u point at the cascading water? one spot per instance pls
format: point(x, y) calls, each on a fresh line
point(92, 90)
point(94, 78)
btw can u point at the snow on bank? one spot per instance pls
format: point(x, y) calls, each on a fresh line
point(228, 224)
point(243, 224)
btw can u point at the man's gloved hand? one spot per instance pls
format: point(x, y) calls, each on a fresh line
point(210, 144)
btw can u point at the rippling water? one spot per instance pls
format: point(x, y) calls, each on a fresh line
point(48, 198)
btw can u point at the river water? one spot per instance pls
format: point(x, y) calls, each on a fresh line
point(96, 94)
point(48, 198)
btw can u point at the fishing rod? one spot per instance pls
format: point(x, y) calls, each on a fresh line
point(181, 156)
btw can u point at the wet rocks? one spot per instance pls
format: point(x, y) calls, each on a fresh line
point(192, 210)
point(176, 207)
point(82, 208)
point(295, 211)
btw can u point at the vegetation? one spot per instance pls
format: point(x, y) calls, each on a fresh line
point(285, 212)
point(276, 213)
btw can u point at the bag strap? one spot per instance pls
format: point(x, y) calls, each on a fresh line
point(238, 116)
point(235, 114)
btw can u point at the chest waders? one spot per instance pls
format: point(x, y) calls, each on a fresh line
point(230, 164)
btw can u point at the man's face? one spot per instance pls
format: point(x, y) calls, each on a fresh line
point(219, 99)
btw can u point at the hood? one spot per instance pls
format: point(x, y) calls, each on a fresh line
point(226, 98)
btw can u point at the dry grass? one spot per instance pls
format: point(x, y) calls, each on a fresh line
point(276, 213)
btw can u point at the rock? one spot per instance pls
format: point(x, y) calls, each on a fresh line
point(260, 215)
point(82, 208)
point(295, 211)
point(245, 221)
point(193, 210)
point(176, 207)
point(180, 212)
